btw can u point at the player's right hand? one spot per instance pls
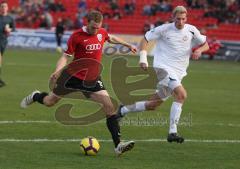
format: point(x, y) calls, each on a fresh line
point(196, 54)
point(133, 48)
point(54, 76)
point(143, 66)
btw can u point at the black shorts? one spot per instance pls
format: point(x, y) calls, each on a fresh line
point(67, 84)
point(3, 45)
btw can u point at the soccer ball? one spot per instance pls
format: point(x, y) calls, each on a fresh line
point(89, 146)
point(59, 49)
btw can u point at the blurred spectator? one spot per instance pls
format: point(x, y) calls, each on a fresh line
point(209, 12)
point(237, 17)
point(224, 11)
point(69, 25)
point(43, 22)
point(82, 5)
point(117, 14)
point(196, 3)
point(46, 20)
point(27, 7)
point(129, 7)
point(59, 31)
point(19, 13)
point(49, 19)
point(28, 20)
point(53, 6)
point(210, 2)
point(14, 13)
point(147, 26)
point(36, 7)
point(147, 10)
point(165, 6)
point(106, 15)
point(214, 46)
point(80, 17)
point(82, 12)
point(21, 2)
point(114, 5)
point(50, 5)
point(158, 22)
point(59, 7)
point(154, 8)
point(105, 26)
point(105, 9)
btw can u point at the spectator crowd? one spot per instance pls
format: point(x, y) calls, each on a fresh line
point(38, 13)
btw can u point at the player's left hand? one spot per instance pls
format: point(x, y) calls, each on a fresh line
point(196, 54)
point(133, 49)
point(7, 29)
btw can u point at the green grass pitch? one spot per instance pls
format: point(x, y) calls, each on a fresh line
point(211, 122)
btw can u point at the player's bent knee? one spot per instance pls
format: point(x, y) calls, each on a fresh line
point(109, 113)
point(152, 105)
point(181, 96)
point(50, 103)
point(109, 110)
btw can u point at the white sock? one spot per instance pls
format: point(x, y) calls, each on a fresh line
point(175, 114)
point(137, 107)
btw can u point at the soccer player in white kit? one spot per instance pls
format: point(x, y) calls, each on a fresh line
point(174, 42)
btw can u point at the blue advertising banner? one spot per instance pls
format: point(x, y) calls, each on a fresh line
point(35, 39)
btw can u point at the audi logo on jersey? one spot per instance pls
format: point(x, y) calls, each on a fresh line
point(93, 47)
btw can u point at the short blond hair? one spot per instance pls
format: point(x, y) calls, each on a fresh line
point(95, 16)
point(179, 9)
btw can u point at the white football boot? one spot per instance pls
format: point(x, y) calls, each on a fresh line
point(123, 147)
point(28, 99)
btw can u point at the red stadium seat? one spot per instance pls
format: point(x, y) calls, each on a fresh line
point(134, 24)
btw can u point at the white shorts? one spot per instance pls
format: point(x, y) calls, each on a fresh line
point(167, 82)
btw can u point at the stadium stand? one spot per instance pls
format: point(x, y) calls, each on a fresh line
point(133, 23)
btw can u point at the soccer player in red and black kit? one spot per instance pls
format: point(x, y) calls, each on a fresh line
point(83, 73)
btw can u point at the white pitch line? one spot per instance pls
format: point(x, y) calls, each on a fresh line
point(217, 124)
point(31, 65)
point(39, 140)
point(54, 122)
point(25, 122)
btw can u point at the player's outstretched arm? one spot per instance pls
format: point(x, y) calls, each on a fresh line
point(116, 40)
point(143, 54)
point(61, 63)
point(198, 52)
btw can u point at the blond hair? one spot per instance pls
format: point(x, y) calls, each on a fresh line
point(95, 16)
point(179, 9)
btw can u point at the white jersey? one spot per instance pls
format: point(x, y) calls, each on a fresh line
point(174, 47)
